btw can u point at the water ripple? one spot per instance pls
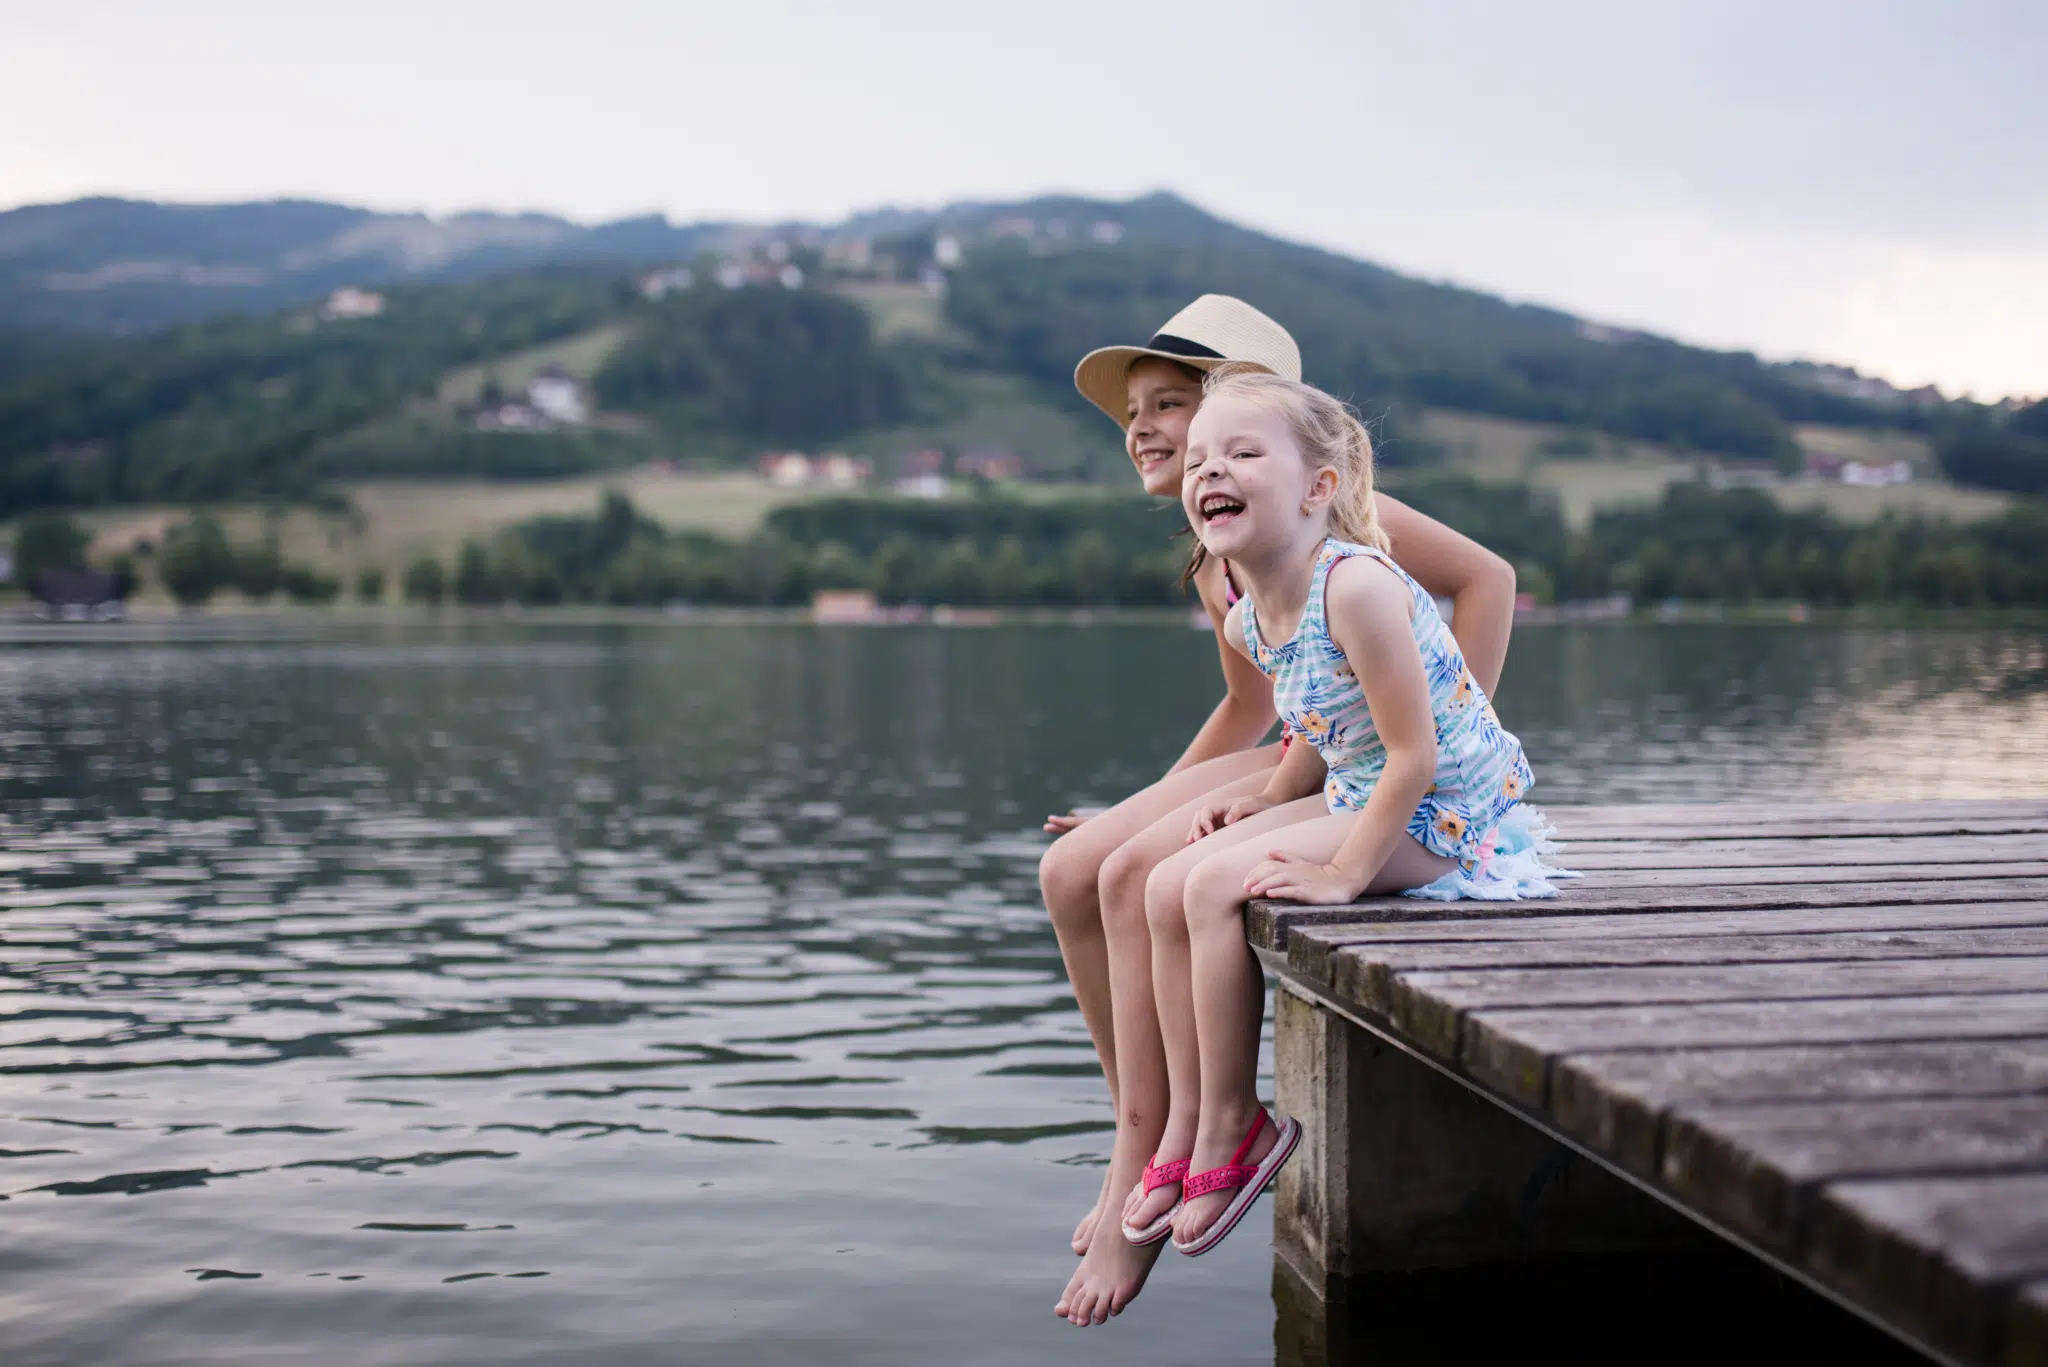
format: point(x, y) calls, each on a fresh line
point(671, 957)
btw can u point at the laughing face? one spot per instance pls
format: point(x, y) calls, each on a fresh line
point(1246, 483)
point(1163, 397)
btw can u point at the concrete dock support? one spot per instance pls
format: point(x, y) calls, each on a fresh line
point(1402, 1169)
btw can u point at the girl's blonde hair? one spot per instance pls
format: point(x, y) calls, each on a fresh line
point(1330, 436)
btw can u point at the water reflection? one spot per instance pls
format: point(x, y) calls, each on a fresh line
point(681, 989)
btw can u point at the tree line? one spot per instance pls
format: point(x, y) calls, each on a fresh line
point(1695, 544)
point(195, 561)
point(994, 552)
point(2010, 455)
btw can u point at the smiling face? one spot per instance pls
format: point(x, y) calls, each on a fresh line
point(1247, 485)
point(1163, 397)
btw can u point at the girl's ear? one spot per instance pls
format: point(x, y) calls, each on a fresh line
point(1322, 488)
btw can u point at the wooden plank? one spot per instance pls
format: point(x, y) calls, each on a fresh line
point(1430, 1007)
point(1573, 843)
point(1371, 979)
point(1938, 809)
point(1941, 1257)
point(1682, 921)
point(1751, 854)
point(1694, 937)
point(1756, 1170)
point(1576, 832)
point(1268, 923)
point(1797, 875)
point(1510, 1051)
point(1822, 1026)
point(1615, 1103)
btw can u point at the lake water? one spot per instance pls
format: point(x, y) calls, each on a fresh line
point(533, 994)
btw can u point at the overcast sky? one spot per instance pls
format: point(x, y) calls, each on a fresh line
point(1862, 182)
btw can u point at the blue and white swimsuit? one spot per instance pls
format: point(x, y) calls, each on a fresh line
point(1473, 812)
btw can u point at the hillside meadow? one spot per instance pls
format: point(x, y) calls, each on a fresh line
point(1590, 471)
point(396, 521)
point(402, 520)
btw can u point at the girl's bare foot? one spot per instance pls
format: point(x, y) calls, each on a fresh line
point(1085, 1231)
point(1216, 1142)
point(1108, 1279)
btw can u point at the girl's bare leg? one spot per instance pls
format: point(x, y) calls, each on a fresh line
point(1229, 992)
point(1113, 1271)
point(1172, 988)
point(1068, 875)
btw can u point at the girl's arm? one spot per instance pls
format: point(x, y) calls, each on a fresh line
point(1480, 585)
point(1245, 715)
point(1368, 611)
point(1299, 773)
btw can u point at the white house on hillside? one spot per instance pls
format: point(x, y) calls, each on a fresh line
point(350, 302)
point(556, 396)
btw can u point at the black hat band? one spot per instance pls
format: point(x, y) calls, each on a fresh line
point(1181, 346)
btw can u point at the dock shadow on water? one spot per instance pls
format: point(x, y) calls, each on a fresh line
point(1675, 1311)
point(681, 993)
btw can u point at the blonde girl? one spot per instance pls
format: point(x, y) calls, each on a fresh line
point(1422, 787)
point(1094, 875)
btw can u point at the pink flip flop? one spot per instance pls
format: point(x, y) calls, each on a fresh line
point(1239, 1176)
point(1157, 1175)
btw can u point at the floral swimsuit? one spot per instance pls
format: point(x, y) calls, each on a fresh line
point(1481, 773)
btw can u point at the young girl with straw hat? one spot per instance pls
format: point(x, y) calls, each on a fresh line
point(1094, 875)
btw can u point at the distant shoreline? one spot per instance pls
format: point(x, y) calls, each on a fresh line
point(154, 618)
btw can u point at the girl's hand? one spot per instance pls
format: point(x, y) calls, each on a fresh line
point(1216, 816)
point(1061, 824)
point(1292, 878)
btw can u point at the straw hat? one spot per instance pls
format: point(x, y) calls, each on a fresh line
point(1214, 329)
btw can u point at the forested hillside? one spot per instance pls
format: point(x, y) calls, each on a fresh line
point(869, 333)
point(241, 407)
point(1382, 338)
point(124, 265)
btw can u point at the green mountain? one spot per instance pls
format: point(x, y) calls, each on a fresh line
point(887, 333)
point(119, 265)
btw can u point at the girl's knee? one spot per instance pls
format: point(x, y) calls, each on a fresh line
point(1163, 887)
point(1213, 893)
point(1067, 874)
point(1120, 888)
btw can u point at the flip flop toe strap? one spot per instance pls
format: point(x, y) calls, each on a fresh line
point(1158, 1174)
point(1229, 1177)
point(1232, 1175)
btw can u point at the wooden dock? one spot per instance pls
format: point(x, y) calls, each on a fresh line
point(1818, 1031)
